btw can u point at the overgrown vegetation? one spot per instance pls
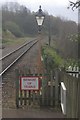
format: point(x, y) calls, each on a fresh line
point(13, 28)
point(21, 22)
point(52, 57)
point(53, 60)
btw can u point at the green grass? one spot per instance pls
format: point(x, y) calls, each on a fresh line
point(58, 60)
point(9, 41)
point(49, 51)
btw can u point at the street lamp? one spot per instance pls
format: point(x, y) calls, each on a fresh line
point(40, 17)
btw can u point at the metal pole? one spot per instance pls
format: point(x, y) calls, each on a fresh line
point(49, 31)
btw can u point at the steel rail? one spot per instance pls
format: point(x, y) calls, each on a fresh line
point(17, 49)
point(13, 55)
point(17, 59)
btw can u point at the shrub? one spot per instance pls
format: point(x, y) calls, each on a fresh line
point(13, 28)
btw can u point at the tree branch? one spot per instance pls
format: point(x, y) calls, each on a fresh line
point(74, 5)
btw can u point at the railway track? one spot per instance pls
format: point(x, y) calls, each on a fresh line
point(8, 74)
point(25, 61)
point(11, 58)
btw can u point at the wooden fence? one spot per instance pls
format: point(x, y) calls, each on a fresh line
point(72, 85)
point(74, 71)
point(44, 97)
point(49, 93)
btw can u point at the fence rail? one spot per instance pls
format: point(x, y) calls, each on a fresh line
point(74, 71)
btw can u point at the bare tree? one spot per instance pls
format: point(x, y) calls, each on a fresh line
point(74, 4)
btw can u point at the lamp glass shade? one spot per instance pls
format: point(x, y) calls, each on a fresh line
point(40, 20)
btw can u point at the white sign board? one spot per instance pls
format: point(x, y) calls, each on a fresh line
point(29, 83)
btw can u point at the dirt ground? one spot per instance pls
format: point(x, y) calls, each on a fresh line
point(31, 113)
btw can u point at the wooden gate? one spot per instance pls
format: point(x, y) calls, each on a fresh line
point(25, 97)
point(44, 97)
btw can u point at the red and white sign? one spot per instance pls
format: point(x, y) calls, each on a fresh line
point(29, 83)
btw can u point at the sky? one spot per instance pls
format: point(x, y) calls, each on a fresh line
point(53, 7)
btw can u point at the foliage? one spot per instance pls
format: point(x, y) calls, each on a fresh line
point(21, 16)
point(53, 59)
point(14, 28)
point(71, 62)
point(10, 41)
point(26, 21)
point(73, 37)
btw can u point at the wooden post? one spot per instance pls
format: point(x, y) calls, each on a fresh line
point(56, 87)
point(21, 93)
point(29, 97)
point(21, 101)
point(38, 96)
point(42, 92)
point(17, 88)
point(79, 97)
point(24, 97)
point(25, 92)
point(34, 97)
point(51, 88)
point(74, 98)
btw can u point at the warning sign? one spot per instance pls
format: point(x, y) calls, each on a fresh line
point(29, 83)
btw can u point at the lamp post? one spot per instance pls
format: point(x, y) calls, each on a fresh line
point(49, 30)
point(40, 18)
